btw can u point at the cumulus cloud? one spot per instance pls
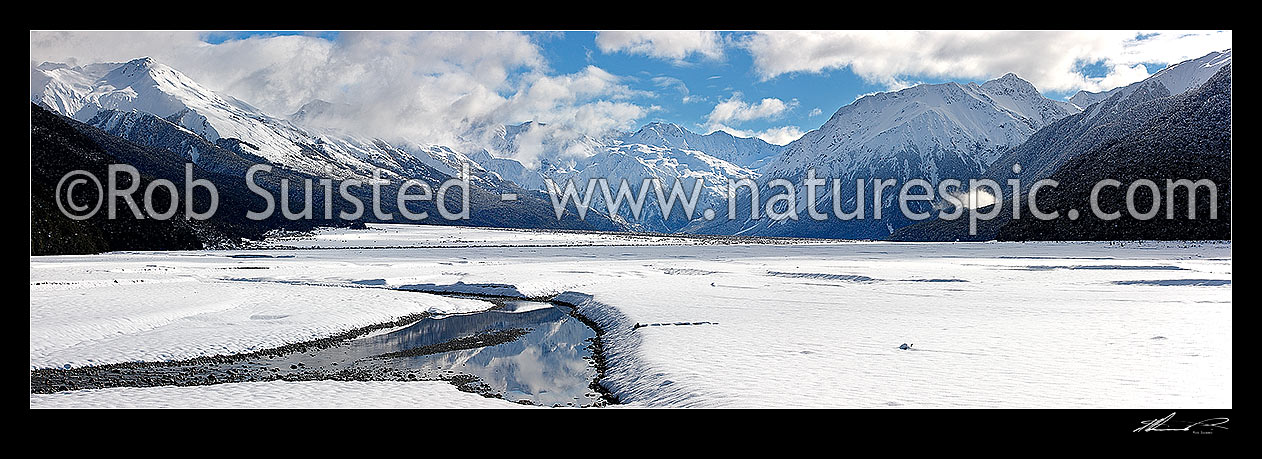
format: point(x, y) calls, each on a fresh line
point(546, 140)
point(777, 135)
point(736, 110)
point(781, 135)
point(815, 112)
point(431, 87)
point(1051, 60)
point(674, 45)
point(427, 87)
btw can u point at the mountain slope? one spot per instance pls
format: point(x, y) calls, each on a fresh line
point(158, 110)
point(1141, 133)
point(661, 151)
point(1177, 78)
point(1050, 148)
point(747, 153)
point(1189, 139)
point(636, 162)
point(929, 132)
point(146, 86)
point(60, 145)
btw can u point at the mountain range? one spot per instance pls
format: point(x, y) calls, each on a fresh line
point(929, 131)
point(1177, 78)
point(1145, 131)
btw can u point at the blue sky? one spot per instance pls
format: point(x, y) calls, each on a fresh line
point(774, 85)
point(216, 38)
point(811, 98)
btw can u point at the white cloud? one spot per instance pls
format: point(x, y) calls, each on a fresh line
point(777, 135)
point(671, 82)
point(1122, 75)
point(781, 135)
point(675, 45)
point(686, 95)
point(815, 112)
point(1051, 60)
point(736, 110)
point(427, 87)
point(592, 101)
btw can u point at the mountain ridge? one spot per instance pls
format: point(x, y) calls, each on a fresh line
point(1177, 78)
point(929, 131)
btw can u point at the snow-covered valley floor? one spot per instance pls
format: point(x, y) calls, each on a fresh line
point(687, 322)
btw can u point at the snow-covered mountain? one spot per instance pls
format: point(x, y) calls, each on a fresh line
point(143, 98)
point(926, 129)
point(151, 104)
point(1105, 121)
point(311, 112)
point(532, 143)
point(512, 170)
point(1144, 132)
point(929, 131)
point(748, 153)
point(663, 151)
point(635, 162)
point(147, 86)
point(1177, 78)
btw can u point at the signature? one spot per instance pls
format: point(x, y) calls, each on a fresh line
point(1167, 424)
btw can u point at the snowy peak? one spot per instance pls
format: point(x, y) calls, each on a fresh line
point(658, 131)
point(748, 153)
point(63, 88)
point(928, 131)
point(142, 85)
point(1021, 97)
point(135, 67)
point(323, 114)
point(974, 119)
point(1010, 84)
point(1011, 77)
point(144, 77)
point(659, 134)
point(310, 110)
point(1177, 78)
point(147, 86)
point(531, 152)
point(635, 162)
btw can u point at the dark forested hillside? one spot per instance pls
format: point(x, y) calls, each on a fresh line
point(159, 150)
point(1190, 139)
point(57, 148)
point(1145, 134)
